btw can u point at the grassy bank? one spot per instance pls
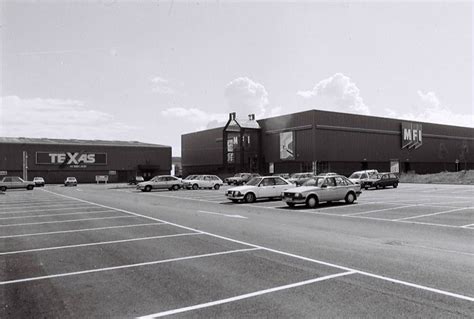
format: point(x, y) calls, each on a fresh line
point(463, 177)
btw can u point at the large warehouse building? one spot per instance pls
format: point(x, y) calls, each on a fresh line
point(322, 141)
point(56, 159)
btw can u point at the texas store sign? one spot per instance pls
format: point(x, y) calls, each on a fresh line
point(71, 158)
point(411, 135)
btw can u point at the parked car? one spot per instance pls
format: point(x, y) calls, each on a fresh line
point(203, 181)
point(136, 180)
point(322, 189)
point(70, 181)
point(259, 187)
point(361, 177)
point(189, 177)
point(382, 180)
point(161, 182)
point(240, 178)
point(12, 182)
point(300, 178)
point(39, 181)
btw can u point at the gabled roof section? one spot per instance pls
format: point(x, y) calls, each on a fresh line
point(234, 125)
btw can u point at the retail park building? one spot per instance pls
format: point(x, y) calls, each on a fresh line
point(56, 159)
point(322, 141)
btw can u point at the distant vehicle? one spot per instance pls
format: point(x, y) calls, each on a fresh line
point(13, 182)
point(161, 182)
point(259, 187)
point(284, 175)
point(240, 178)
point(70, 181)
point(203, 181)
point(322, 189)
point(136, 180)
point(300, 178)
point(361, 177)
point(39, 181)
point(382, 180)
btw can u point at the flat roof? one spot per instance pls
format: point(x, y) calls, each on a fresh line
point(53, 141)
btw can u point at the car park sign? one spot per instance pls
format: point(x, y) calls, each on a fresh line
point(71, 158)
point(411, 135)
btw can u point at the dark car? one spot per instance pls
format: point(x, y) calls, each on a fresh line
point(382, 180)
point(136, 180)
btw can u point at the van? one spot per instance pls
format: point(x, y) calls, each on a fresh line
point(361, 177)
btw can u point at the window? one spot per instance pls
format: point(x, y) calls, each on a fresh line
point(340, 181)
point(330, 182)
point(279, 181)
point(268, 182)
point(7, 179)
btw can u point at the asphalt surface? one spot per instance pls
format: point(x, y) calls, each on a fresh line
point(96, 251)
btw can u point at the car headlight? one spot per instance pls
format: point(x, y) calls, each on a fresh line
point(298, 195)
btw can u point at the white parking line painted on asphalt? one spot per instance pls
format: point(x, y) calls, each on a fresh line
point(37, 203)
point(467, 226)
point(401, 282)
point(96, 243)
point(65, 221)
point(156, 262)
point(42, 207)
point(245, 296)
point(379, 210)
point(220, 214)
point(194, 199)
point(47, 210)
point(80, 230)
point(51, 215)
point(433, 214)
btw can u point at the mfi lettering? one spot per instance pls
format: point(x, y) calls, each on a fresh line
point(411, 135)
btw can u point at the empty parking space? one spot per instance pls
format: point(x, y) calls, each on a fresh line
point(78, 258)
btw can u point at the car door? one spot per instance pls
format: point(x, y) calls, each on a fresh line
point(17, 182)
point(327, 191)
point(280, 186)
point(266, 187)
point(7, 181)
point(160, 182)
point(341, 188)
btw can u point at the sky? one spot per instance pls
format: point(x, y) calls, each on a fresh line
point(152, 70)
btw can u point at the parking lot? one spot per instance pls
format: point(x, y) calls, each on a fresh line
point(112, 251)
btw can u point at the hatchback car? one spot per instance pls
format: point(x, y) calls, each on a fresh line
point(203, 181)
point(39, 181)
point(322, 189)
point(382, 180)
point(361, 177)
point(161, 182)
point(13, 182)
point(259, 187)
point(70, 181)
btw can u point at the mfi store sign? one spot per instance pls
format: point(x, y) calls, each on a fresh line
point(71, 158)
point(411, 135)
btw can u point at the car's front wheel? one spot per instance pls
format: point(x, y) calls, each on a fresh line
point(195, 186)
point(217, 186)
point(3, 188)
point(395, 185)
point(175, 187)
point(312, 202)
point(250, 197)
point(148, 188)
point(30, 187)
point(350, 198)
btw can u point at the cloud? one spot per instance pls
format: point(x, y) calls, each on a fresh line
point(337, 93)
point(201, 119)
point(161, 85)
point(246, 96)
point(431, 110)
point(57, 118)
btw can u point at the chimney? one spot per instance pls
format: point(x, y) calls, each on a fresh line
point(232, 116)
point(251, 117)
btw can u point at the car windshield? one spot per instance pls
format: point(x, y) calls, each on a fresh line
point(317, 181)
point(190, 177)
point(355, 175)
point(254, 181)
point(296, 175)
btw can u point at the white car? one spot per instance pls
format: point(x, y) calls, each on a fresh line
point(161, 182)
point(259, 187)
point(203, 181)
point(361, 177)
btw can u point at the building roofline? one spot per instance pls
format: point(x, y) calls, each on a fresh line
point(52, 141)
